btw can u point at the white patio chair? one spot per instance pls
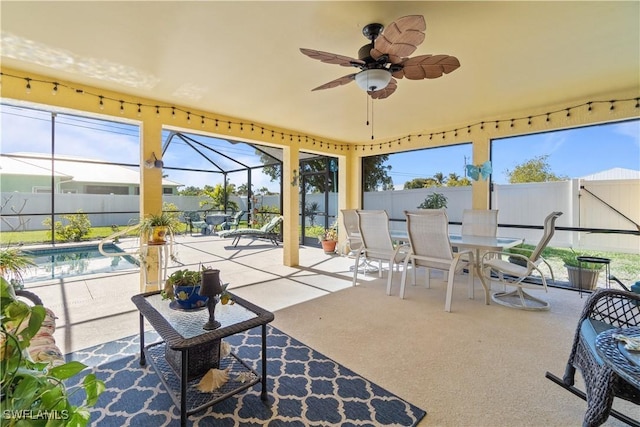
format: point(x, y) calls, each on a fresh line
point(350, 220)
point(480, 222)
point(507, 273)
point(373, 227)
point(428, 231)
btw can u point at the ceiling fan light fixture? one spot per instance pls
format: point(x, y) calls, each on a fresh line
point(373, 79)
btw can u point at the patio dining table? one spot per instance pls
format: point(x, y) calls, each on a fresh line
point(214, 220)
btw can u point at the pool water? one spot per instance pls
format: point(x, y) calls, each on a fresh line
point(56, 263)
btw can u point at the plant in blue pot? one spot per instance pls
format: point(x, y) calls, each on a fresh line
point(183, 288)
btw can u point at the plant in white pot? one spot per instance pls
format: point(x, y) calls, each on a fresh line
point(582, 275)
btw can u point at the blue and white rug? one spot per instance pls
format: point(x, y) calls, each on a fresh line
point(305, 389)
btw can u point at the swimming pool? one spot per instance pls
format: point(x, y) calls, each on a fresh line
point(73, 261)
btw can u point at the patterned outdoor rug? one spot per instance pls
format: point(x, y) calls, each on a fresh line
point(305, 389)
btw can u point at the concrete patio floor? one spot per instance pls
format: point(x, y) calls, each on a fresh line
point(98, 308)
point(480, 365)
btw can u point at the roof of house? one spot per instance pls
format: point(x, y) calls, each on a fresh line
point(614, 173)
point(76, 169)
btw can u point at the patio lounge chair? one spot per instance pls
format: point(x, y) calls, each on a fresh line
point(265, 232)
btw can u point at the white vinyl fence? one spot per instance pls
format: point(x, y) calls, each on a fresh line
point(583, 203)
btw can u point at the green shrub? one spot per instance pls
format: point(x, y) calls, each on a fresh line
point(77, 227)
point(434, 201)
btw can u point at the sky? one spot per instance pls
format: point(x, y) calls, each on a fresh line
point(573, 153)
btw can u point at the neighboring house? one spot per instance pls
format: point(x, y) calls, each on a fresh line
point(31, 173)
point(614, 173)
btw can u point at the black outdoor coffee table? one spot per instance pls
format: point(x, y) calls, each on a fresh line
point(188, 351)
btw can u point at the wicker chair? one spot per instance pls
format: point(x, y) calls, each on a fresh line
point(377, 244)
point(428, 231)
point(605, 309)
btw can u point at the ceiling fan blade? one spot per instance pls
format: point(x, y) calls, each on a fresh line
point(427, 67)
point(400, 39)
point(332, 58)
point(337, 82)
point(386, 92)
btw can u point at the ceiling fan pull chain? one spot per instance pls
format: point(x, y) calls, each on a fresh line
point(372, 119)
point(367, 99)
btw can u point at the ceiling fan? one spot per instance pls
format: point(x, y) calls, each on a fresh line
point(386, 58)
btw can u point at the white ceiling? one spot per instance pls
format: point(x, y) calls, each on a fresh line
point(242, 59)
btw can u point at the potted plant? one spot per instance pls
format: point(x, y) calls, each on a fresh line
point(31, 389)
point(582, 275)
point(155, 227)
point(183, 287)
point(328, 239)
point(13, 264)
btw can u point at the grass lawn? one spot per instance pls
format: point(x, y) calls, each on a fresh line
point(625, 267)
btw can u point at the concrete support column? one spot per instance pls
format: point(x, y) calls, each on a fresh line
point(480, 189)
point(291, 205)
point(150, 188)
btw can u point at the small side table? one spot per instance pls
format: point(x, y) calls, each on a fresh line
point(594, 260)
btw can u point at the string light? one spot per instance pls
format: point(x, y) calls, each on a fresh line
point(140, 107)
